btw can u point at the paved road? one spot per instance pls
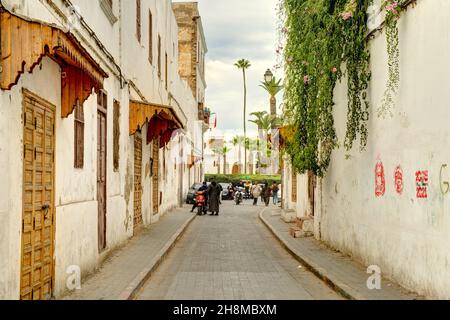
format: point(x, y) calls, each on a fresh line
point(232, 256)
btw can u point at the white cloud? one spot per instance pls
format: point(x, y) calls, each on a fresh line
point(236, 29)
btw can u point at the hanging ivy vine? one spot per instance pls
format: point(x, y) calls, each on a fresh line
point(324, 40)
point(393, 10)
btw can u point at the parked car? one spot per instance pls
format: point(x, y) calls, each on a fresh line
point(226, 195)
point(191, 193)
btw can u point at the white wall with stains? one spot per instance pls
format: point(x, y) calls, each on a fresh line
point(405, 234)
point(76, 205)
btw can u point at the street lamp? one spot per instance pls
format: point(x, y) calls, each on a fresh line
point(268, 76)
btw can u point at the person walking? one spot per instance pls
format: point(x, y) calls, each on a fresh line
point(275, 190)
point(214, 198)
point(267, 192)
point(256, 193)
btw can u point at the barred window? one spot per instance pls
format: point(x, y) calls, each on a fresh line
point(150, 37)
point(79, 136)
point(166, 71)
point(159, 56)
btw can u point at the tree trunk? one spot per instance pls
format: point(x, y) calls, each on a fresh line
point(240, 158)
point(218, 166)
point(224, 164)
point(273, 106)
point(245, 122)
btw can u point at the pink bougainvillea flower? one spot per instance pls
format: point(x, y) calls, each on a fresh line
point(306, 79)
point(347, 15)
point(392, 8)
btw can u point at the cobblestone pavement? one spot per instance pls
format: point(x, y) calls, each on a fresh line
point(124, 264)
point(232, 256)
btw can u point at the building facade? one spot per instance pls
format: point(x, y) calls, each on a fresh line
point(98, 129)
point(389, 205)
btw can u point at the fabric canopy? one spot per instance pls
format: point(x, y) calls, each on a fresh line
point(162, 121)
point(25, 42)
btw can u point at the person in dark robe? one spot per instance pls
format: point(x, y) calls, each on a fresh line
point(214, 198)
point(267, 193)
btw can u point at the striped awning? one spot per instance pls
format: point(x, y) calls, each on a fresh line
point(25, 42)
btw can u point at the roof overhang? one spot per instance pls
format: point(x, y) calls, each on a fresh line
point(162, 120)
point(24, 43)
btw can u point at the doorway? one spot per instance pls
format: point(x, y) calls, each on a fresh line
point(38, 212)
point(137, 181)
point(101, 169)
point(155, 177)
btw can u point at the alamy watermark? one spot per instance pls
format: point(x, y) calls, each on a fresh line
point(374, 281)
point(73, 281)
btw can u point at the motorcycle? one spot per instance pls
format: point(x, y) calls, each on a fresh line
point(200, 201)
point(238, 197)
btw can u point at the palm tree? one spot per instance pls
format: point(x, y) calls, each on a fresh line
point(272, 87)
point(237, 142)
point(244, 64)
point(265, 122)
point(223, 152)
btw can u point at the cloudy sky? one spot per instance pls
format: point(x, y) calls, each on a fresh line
point(238, 29)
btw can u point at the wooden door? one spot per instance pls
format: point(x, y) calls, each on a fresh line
point(294, 186)
point(155, 178)
point(137, 181)
point(38, 213)
point(101, 177)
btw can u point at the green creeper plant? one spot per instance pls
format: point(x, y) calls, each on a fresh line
point(393, 10)
point(325, 40)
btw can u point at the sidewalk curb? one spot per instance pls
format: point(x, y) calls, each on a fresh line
point(338, 286)
point(139, 281)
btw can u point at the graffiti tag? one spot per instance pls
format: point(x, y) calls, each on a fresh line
point(422, 184)
point(380, 181)
point(398, 176)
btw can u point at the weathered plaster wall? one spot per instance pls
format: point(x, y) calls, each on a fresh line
point(397, 229)
point(11, 154)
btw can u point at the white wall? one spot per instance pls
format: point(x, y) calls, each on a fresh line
point(406, 236)
point(76, 189)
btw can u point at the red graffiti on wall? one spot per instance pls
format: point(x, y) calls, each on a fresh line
point(398, 180)
point(380, 181)
point(422, 184)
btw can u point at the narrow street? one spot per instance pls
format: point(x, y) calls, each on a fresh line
point(232, 256)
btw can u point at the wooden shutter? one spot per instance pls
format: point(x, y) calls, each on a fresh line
point(102, 100)
point(116, 135)
point(79, 136)
point(138, 20)
point(150, 37)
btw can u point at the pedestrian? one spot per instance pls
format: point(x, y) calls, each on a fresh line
point(267, 192)
point(204, 187)
point(214, 198)
point(275, 190)
point(256, 193)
